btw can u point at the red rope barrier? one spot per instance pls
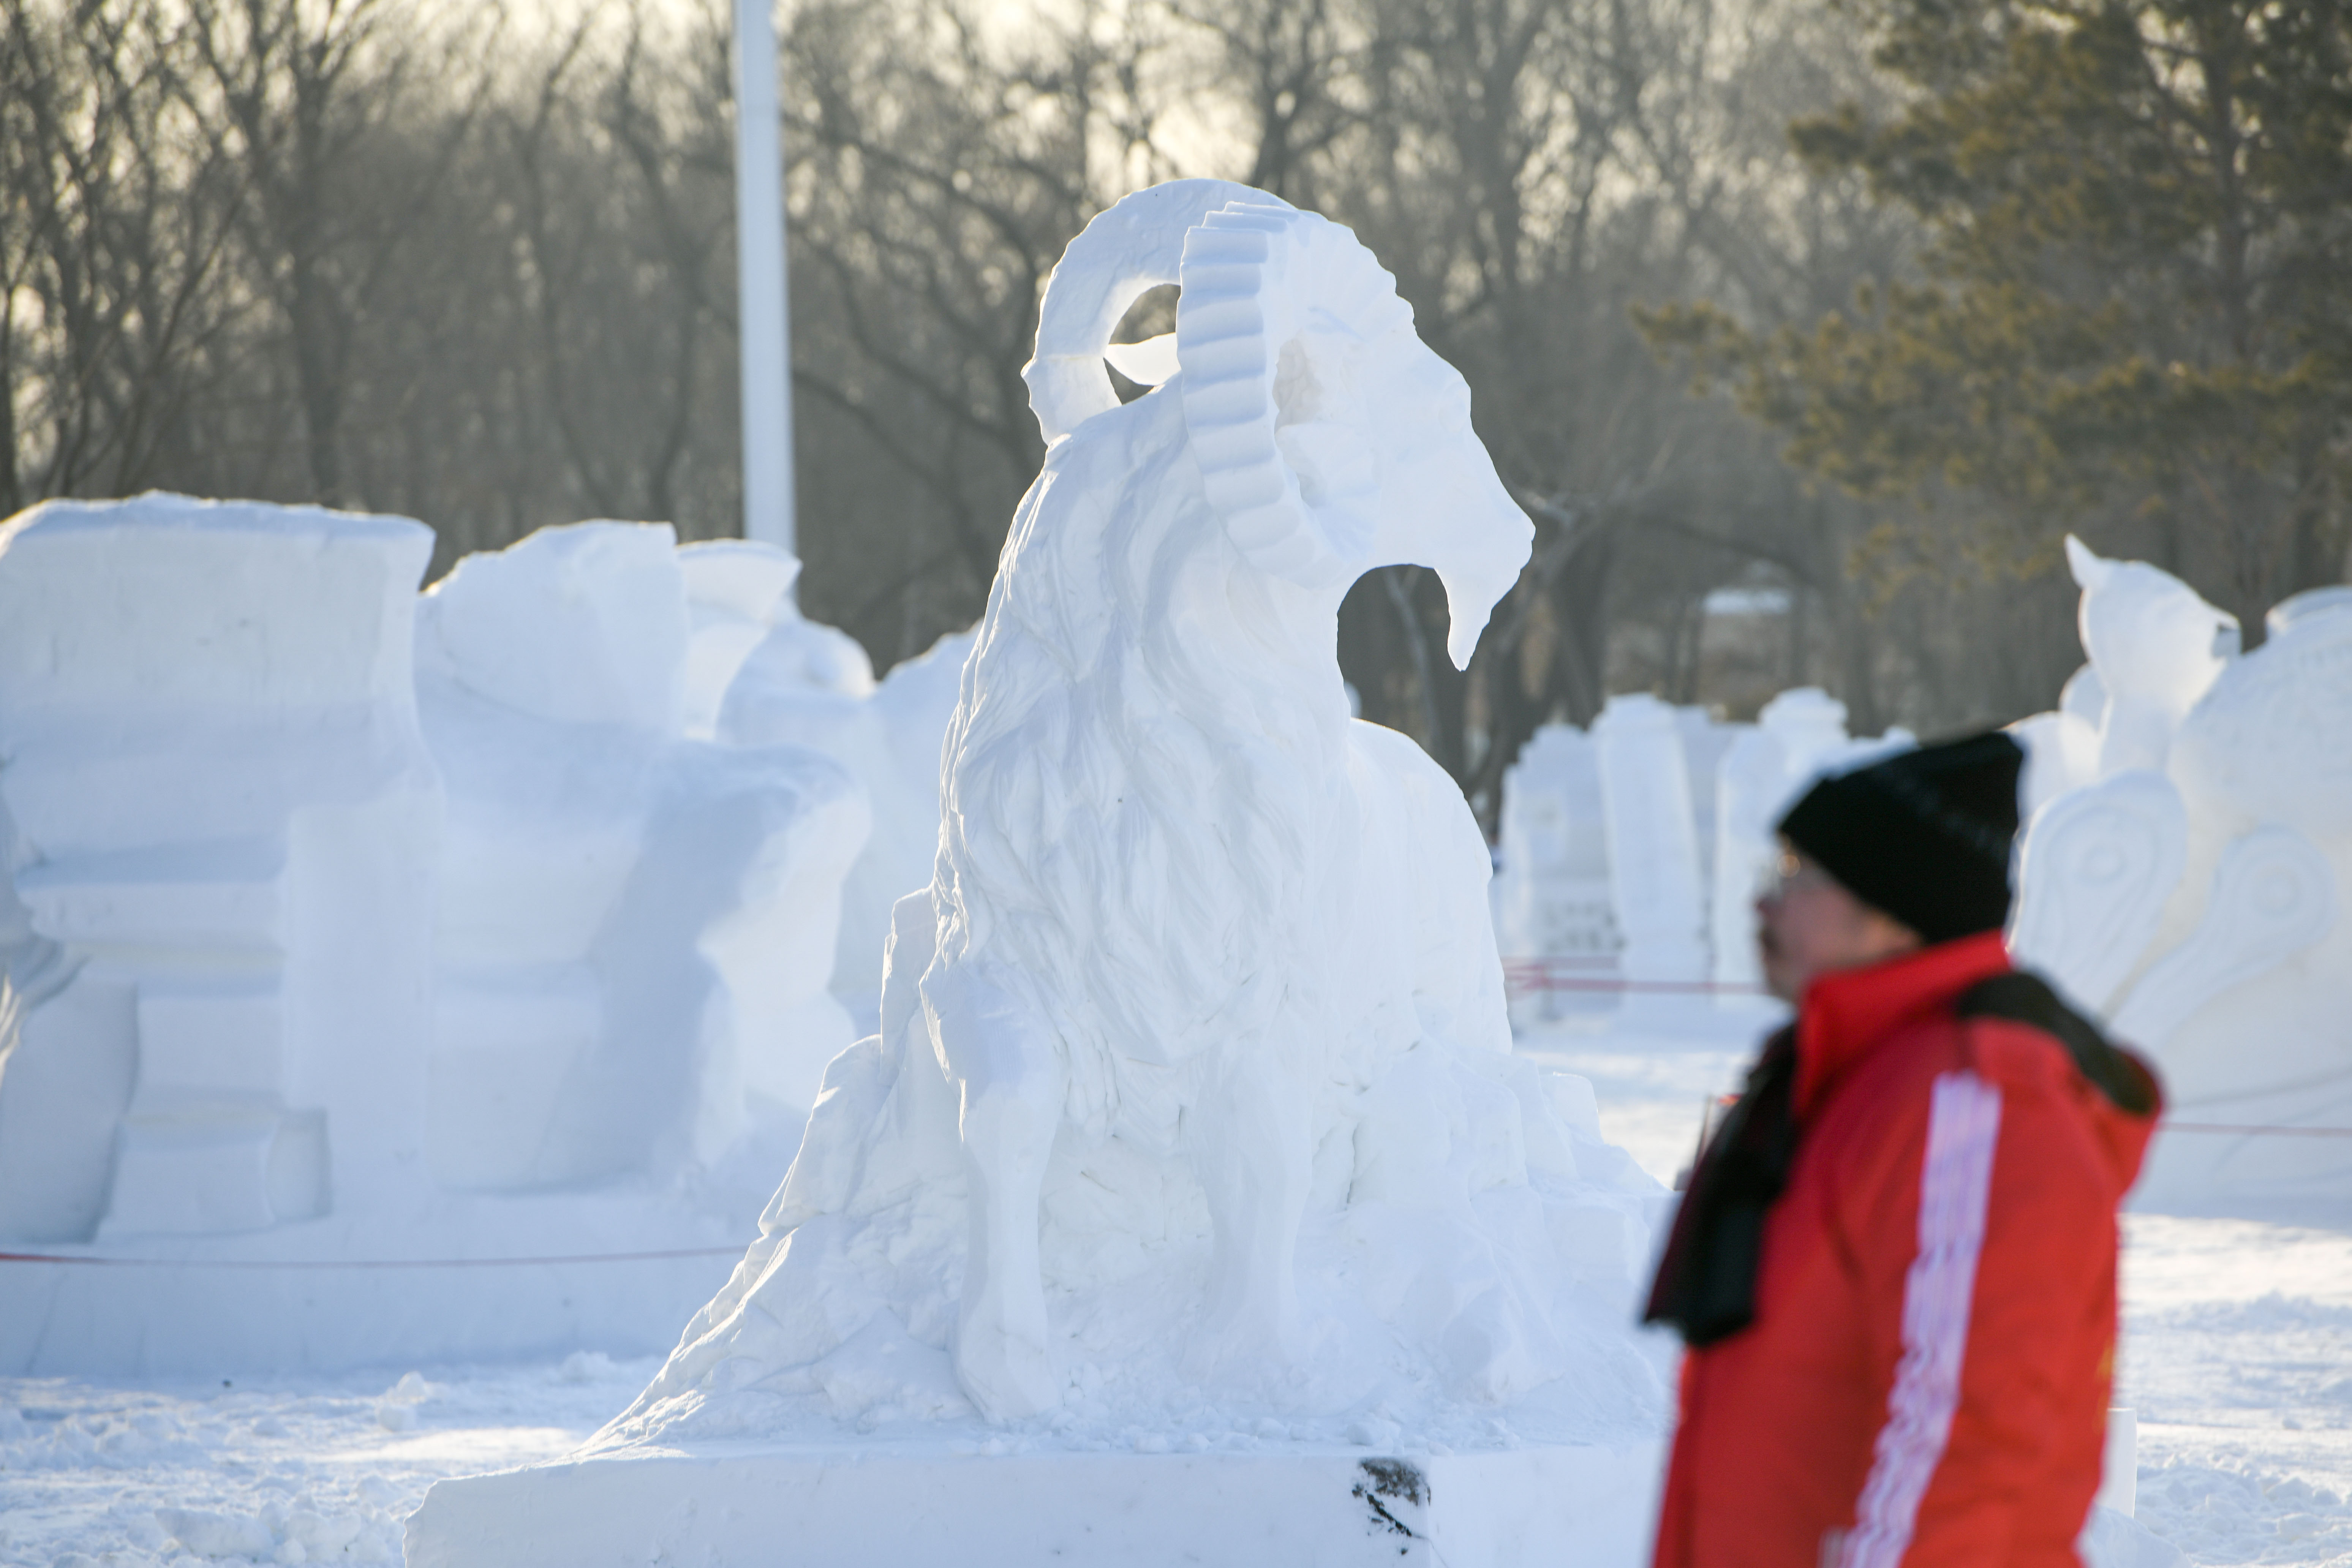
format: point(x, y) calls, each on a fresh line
point(368, 1262)
point(1544, 974)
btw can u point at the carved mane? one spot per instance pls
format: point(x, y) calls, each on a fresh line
point(1113, 632)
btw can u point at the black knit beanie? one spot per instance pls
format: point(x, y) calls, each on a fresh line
point(1923, 835)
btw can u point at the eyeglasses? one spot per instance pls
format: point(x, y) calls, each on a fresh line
point(1790, 872)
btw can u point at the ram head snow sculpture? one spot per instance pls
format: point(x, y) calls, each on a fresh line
point(1194, 1054)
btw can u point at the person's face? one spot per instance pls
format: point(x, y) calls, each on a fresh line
point(1809, 925)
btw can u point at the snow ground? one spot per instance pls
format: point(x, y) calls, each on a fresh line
point(2237, 1356)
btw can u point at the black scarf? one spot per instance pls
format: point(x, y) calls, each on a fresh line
point(1707, 1279)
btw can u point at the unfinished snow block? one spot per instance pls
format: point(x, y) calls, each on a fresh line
point(1551, 896)
point(226, 821)
point(1654, 866)
point(905, 1506)
point(636, 928)
point(799, 687)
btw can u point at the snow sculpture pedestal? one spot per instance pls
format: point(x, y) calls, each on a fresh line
point(921, 1506)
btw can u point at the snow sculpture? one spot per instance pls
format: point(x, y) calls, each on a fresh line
point(738, 602)
point(2264, 765)
point(2272, 896)
point(800, 688)
point(2156, 646)
point(2198, 907)
point(1551, 897)
point(226, 817)
point(635, 929)
point(1797, 734)
point(302, 946)
point(1193, 1067)
point(2297, 608)
point(1707, 740)
point(1653, 857)
point(2095, 869)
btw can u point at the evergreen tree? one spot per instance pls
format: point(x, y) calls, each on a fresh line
point(2132, 304)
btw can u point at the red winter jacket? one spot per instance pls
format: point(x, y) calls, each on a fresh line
point(1925, 1379)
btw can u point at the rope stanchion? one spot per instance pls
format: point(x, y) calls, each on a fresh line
point(369, 1262)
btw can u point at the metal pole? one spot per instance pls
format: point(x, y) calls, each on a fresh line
point(766, 342)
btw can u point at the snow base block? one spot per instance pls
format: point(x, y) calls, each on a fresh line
point(890, 1505)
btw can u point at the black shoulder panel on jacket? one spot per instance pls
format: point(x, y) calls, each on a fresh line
point(2024, 998)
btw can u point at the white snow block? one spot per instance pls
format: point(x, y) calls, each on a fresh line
point(1551, 896)
point(223, 818)
point(1653, 857)
point(634, 927)
point(875, 1507)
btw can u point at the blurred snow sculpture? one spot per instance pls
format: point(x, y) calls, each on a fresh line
point(1707, 740)
point(2271, 898)
point(1551, 897)
point(1654, 857)
point(2200, 908)
point(226, 817)
point(1197, 1039)
point(2096, 868)
point(2264, 764)
point(1797, 734)
point(635, 929)
point(2297, 608)
point(2156, 646)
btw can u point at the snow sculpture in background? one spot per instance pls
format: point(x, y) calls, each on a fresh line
point(1707, 740)
point(2191, 888)
point(2156, 647)
point(1193, 1063)
point(226, 819)
point(1551, 895)
point(2259, 950)
point(808, 684)
point(1653, 855)
point(2098, 864)
point(741, 614)
point(1799, 733)
point(635, 929)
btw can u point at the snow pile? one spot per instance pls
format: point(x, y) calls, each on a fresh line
point(2184, 870)
point(333, 909)
point(1193, 1120)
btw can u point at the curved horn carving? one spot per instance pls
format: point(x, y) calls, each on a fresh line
point(1135, 243)
point(1249, 272)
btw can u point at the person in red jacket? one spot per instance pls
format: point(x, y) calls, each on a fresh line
point(1894, 1266)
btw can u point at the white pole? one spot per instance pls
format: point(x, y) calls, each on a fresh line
point(766, 341)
